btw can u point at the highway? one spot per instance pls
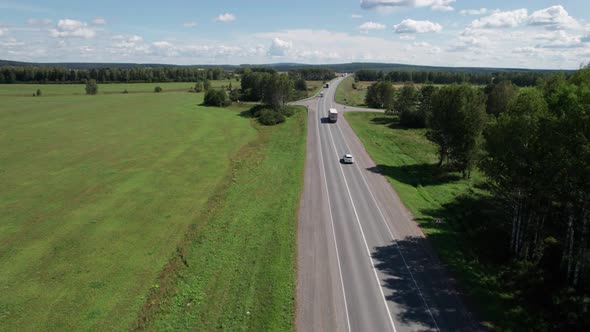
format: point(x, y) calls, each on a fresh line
point(363, 263)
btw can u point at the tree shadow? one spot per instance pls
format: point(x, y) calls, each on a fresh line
point(417, 175)
point(421, 287)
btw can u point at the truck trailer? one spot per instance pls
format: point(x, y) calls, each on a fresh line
point(333, 115)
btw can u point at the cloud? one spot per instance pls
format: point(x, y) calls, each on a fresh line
point(189, 24)
point(71, 28)
point(507, 19)
point(225, 18)
point(365, 27)
point(562, 40)
point(99, 21)
point(481, 11)
point(3, 31)
point(356, 16)
point(127, 41)
point(279, 47)
point(553, 18)
point(585, 39)
point(39, 21)
point(441, 5)
point(411, 26)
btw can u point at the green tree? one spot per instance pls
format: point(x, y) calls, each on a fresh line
point(456, 124)
point(157, 89)
point(206, 85)
point(406, 105)
point(199, 86)
point(38, 92)
point(91, 87)
point(500, 97)
point(217, 98)
point(381, 95)
point(277, 90)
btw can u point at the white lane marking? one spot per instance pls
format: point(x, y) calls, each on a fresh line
point(332, 222)
point(363, 235)
point(391, 233)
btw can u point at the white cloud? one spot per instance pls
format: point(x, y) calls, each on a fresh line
point(507, 19)
point(3, 31)
point(356, 16)
point(127, 41)
point(562, 40)
point(553, 18)
point(225, 18)
point(442, 5)
point(279, 47)
point(365, 27)
point(481, 11)
point(189, 24)
point(72, 28)
point(39, 21)
point(411, 26)
point(99, 21)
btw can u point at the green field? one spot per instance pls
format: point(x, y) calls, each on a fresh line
point(26, 90)
point(408, 160)
point(231, 288)
point(346, 95)
point(98, 192)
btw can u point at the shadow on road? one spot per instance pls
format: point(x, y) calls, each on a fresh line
point(434, 287)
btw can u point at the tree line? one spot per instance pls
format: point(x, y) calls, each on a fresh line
point(533, 146)
point(524, 78)
point(31, 74)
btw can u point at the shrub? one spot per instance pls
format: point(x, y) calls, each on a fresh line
point(270, 117)
point(288, 111)
point(91, 87)
point(216, 98)
point(125, 91)
point(235, 95)
point(38, 92)
point(157, 89)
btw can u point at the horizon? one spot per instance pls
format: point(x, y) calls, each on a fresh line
point(520, 34)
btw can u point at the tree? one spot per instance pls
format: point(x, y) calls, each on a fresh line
point(157, 89)
point(91, 87)
point(217, 98)
point(277, 90)
point(199, 86)
point(206, 85)
point(38, 92)
point(456, 124)
point(381, 95)
point(500, 97)
point(406, 105)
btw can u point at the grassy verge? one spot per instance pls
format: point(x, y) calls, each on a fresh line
point(408, 161)
point(239, 269)
point(96, 192)
point(346, 95)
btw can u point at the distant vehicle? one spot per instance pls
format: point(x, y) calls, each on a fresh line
point(327, 85)
point(321, 94)
point(347, 159)
point(332, 115)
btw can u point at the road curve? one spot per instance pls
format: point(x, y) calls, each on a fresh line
point(363, 264)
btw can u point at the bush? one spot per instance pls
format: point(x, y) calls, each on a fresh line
point(354, 87)
point(217, 98)
point(288, 111)
point(38, 92)
point(270, 117)
point(157, 89)
point(235, 95)
point(91, 87)
point(125, 91)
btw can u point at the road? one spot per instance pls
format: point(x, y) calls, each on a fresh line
point(363, 263)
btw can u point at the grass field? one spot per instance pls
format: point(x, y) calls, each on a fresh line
point(26, 90)
point(97, 191)
point(408, 160)
point(240, 273)
point(346, 95)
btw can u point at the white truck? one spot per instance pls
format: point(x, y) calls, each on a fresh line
point(333, 115)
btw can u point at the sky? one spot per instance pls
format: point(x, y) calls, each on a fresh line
point(501, 33)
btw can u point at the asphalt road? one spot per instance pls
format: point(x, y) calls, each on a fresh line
point(363, 263)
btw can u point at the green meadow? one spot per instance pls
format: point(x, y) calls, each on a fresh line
point(99, 192)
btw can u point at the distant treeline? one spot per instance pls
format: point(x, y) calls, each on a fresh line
point(31, 74)
point(524, 78)
point(309, 74)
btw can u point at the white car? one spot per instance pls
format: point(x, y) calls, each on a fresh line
point(347, 159)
